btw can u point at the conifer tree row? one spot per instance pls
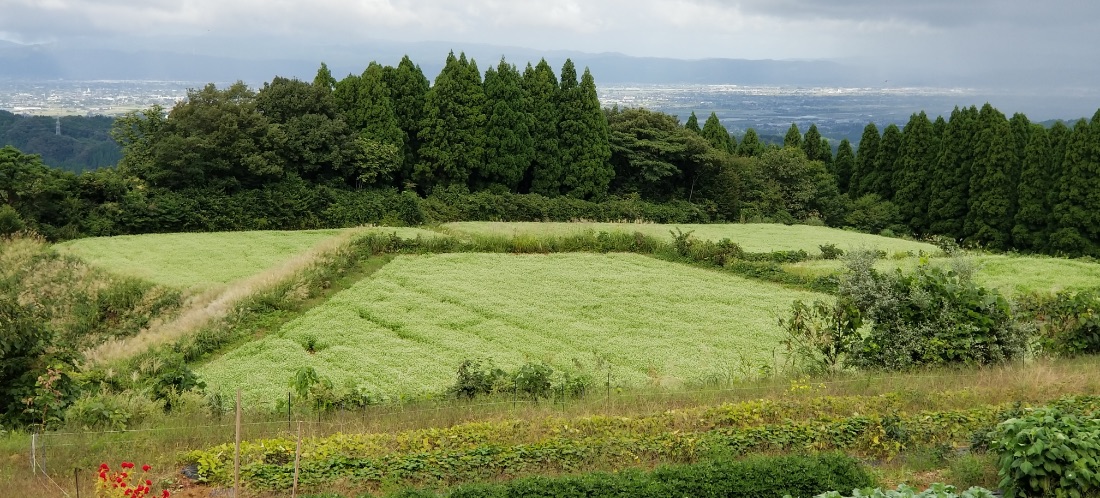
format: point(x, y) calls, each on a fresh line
point(978, 176)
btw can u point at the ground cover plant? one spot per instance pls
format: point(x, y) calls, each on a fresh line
point(752, 237)
point(406, 330)
point(867, 427)
point(796, 475)
point(1010, 274)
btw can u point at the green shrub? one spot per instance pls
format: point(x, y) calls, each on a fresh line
point(797, 476)
point(110, 411)
point(475, 379)
point(930, 316)
point(937, 490)
point(1049, 452)
point(821, 336)
point(10, 221)
point(1068, 322)
point(830, 251)
point(533, 379)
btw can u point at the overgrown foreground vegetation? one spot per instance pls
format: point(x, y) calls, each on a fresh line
point(494, 419)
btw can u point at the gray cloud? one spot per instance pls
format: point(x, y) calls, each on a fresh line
point(934, 36)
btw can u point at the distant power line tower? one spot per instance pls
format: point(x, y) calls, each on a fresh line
point(57, 128)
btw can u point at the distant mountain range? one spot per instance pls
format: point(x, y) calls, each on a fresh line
point(68, 61)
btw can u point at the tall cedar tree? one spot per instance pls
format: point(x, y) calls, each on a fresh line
point(374, 115)
point(452, 133)
point(718, 136)
point(1059, 135)
point(793, 137)
point(408, 91)
point(1033, 213)
point(545, 172)
point(826, 152)
point(989, 219)
point(862, 178)
point(750, 145)
point(1077, 212)
point(843, 165)
point(693, 123)
point(912, 172)
point(947, 206)
point(508, 143)
point(323, 80)
point(811, 144)
point(585, 146)
point(888, 151)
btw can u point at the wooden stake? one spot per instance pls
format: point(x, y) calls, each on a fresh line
point(237, 452)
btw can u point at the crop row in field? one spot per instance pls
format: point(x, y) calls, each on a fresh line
point(199, 261)
point(405, 330)
point(859, 426)
point(754, 237)
point(1009, 274)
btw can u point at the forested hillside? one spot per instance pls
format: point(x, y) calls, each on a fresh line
point(535, 144)
point(84, 142)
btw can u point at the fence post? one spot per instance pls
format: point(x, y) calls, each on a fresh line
point(43, 466)
point(34, 462)
point(237, 451)
point(288, 426)
point(515, 394)
point(76, 480)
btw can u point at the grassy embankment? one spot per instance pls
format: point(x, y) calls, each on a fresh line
point(757, 237)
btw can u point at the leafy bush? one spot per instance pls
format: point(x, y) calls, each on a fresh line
point(819, 337)
point(931, 316)
point(1068, 322)
point(10, 222)
point(475, 379)
point(937, 490)
point(1049, 452)
point(872, 214)
point(111, 411)
point(799, 476)
point(830, 251)
point(533, 379)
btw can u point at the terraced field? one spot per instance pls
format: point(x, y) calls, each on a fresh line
point(1009, 274)
point(405, 330)
point(755, 237)
point(199, 261)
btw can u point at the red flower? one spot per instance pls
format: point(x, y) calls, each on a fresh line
point(103, 475)
point(104, 466)
point(164, 494)
point(145, 467)
point(148, 482)
point(127, 465)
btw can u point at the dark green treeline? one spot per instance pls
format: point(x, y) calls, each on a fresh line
point(386, 145)
point(985, 179)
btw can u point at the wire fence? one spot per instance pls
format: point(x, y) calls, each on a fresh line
point(54, 454)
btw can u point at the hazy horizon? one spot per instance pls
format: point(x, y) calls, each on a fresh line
point(992, 43)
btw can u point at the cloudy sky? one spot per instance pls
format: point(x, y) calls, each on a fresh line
point(951, 35)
